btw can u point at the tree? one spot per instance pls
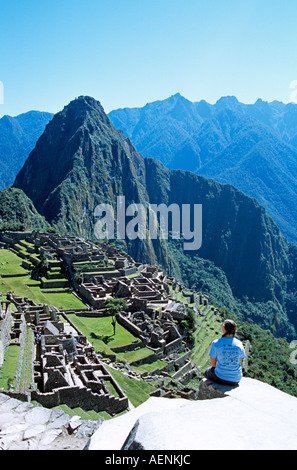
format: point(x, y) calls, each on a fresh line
point(114, 306)
point(191, 319)
point(114, 323)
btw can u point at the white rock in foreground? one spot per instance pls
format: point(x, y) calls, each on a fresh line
point(252, 416)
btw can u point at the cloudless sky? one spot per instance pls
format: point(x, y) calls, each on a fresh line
point(126, 53)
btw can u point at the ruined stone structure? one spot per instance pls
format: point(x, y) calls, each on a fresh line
point(5, 327)
point(66, 369)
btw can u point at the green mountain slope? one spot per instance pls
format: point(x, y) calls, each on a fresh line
point(17, 212)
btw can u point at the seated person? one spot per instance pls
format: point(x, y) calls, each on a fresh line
point(226, 355)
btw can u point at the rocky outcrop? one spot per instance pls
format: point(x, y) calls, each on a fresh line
point(253, 416)
point(209, 390)
point(27, 427)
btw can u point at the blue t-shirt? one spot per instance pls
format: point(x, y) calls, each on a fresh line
point(228, 352)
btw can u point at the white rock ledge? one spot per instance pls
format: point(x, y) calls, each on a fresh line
point(253, 416)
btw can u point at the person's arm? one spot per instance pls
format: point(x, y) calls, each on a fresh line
point(213, 362)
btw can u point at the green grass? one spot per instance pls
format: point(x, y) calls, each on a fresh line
point(132, 356)
point(10, 263)
point(24, 286)
point(142, 353)
point(158, 364)
point(100, 332)
point(9, 366)
point(204, 335)
point(26, 372)
point(136, 390)
point(112, 390)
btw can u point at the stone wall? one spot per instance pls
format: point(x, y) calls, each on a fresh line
point(81, 397)
point(182, 371)
point(129, 347)
point(22, 342)
point(6, 324)
point(145, 360)
point(13, 237)
point(174, 346)
point(130, 326)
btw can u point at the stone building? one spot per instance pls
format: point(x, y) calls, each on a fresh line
point(66, 369)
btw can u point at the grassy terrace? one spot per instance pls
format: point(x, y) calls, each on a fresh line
point(100, 333)
point(137, 390)
point(209, 330)
point(9, 366)
point(26, 373)
point(24, 286)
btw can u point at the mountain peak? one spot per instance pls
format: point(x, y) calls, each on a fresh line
point(66, 139)
point(176, 95)
point(227, 102)
point(262, 103)
point(79, 144)
point(85, 106)
point(85, 100)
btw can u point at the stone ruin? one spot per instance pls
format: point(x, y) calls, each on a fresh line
point(153, 314)
point(66, 368)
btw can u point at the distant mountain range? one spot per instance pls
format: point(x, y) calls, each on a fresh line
point(244, 263)
point(18, 136)
point(251, 146)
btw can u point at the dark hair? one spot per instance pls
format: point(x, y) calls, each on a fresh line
point(230, 327)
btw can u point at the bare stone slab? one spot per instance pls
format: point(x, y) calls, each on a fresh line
point(34, 431)
point(38, 415)
point(25, 427)
point(253, 416)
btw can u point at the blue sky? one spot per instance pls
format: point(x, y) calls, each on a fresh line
point(126, 53)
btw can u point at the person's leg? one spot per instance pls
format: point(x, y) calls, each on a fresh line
point(211, 375)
